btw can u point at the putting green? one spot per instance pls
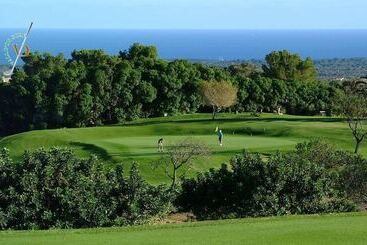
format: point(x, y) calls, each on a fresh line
point(137, 141)
point(146, 146)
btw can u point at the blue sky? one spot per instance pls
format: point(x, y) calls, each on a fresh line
point(185, 14)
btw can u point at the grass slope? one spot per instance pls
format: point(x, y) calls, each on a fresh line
point(137, 140)
point(324, 229)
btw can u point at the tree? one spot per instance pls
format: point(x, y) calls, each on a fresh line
point(218, 95)
point(353, 106)
point(180, 158)
point(286, 66)
point(244, 70)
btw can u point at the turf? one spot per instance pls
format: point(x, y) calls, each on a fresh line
point(137, 141)
point(324, 229)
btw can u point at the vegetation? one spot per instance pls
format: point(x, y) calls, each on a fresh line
point(137, 141)
point(351, 104)
point(341, 68)
point(287, 183)
point(181, 157)
point(286, 66)
point(93, 88)
point(218, 95)
point(353, 108)
point(314, 229)
point(54, 189)
point(48, 187)
point(327, 69)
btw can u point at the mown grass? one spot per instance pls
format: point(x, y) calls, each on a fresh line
point(137, 141)
point(314, 229)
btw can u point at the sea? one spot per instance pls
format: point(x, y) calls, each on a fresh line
point(216, 45)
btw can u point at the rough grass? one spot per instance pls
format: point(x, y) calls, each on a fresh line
point(137, 141)
point(314, 229)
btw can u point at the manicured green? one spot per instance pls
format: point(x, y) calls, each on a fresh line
point(137, 141)
point(314, 229)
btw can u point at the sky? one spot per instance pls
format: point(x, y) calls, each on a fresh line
point(185, 14)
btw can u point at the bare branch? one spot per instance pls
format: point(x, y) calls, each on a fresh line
point(181, 156)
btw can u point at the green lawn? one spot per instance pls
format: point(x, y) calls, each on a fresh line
point(137, 140)
point(324, 229)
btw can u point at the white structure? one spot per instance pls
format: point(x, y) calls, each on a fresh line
point(7, 74)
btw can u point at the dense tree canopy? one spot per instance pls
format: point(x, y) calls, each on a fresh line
point(94, 88)
point(286, 66)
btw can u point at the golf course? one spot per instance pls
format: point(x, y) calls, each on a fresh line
point(313, 229)
point(136, 141)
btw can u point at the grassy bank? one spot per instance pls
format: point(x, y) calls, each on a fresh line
point(314, 229)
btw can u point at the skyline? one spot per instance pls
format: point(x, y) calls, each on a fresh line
point(188, 14)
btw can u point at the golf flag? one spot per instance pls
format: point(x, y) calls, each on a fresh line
point(216, 129)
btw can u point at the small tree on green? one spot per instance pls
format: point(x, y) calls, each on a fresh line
point(180, 158)
point(353, 107)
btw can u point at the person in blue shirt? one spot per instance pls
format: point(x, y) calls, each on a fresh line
point(220, 137)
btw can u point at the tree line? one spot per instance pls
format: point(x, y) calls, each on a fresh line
point(94, 88)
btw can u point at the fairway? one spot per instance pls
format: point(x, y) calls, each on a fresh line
point(137, 140)
point(314, 229)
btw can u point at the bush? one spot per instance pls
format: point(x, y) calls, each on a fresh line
point(288, 183)
point(354, 180)
point(350, 168)
point(52, 188)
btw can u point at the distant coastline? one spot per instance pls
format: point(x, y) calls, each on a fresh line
point(328, 69)
point(332, 50)
point(202, 44)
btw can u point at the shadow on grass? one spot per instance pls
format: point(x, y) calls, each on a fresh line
point(93, 149)
point(239, 119)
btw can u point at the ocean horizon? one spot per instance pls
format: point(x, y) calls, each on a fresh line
point(199, 44)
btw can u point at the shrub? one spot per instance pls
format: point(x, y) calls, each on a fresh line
point(350, 168)
point(288, 183)
point(354, 180)
point(53, 188)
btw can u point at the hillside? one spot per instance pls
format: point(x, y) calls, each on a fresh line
point(327, 68)
point(324, 229)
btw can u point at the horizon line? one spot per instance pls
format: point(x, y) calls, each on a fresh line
point(192, 29)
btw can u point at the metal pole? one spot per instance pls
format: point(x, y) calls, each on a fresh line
point(21, 49)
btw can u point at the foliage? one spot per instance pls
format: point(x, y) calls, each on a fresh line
point(286, 66)
point(218, 95)
point(267, 94)
point(327, 69)
point(350, 168)
point(287, 183)
point(244, 70)
point(354, 179)
point(94, 88)
point(353, 106)
point(181, 157)
point(54, 189)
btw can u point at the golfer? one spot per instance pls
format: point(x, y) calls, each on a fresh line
point(220, 137)
point(160, 145)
